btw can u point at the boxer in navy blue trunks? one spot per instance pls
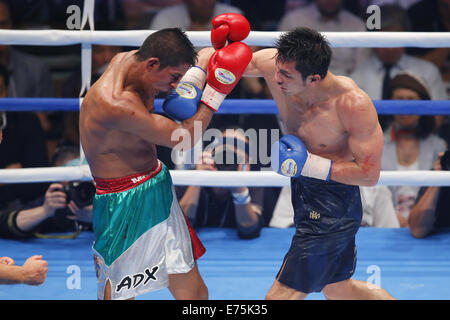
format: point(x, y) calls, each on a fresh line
point(333, 145)
point(327, 216)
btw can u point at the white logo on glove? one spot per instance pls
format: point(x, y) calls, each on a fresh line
point(289, 168)
point(224, 76)
point(186, 90)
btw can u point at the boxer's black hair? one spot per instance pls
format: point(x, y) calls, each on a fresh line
point(171, 46)
point(308, 48)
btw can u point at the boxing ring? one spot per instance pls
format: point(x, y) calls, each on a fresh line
point(406, 267)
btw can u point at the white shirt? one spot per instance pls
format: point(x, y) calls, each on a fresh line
point(369, 75)
point(378, 209)
point(405, 196)
point(178, 16)
point(344, 60)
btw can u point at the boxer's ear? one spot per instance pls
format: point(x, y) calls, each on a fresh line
point(313, 80)
point(152, 63)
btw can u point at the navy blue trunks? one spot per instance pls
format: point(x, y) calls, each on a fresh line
point(327, 215)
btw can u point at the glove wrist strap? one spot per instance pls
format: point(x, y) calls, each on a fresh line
point(212, 98)
point(195, 76)
point(317, 167)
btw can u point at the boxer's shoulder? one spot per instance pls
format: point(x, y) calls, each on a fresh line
point(351, 98)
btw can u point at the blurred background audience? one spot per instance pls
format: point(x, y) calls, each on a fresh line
point(31, 139)
point(238, 207)
point(330, 15)
point(430, 212)
point(409, 142)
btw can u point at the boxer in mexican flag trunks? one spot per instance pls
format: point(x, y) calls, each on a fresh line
point(141, 234)
point(142, 240)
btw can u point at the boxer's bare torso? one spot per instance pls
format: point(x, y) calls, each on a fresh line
point(117, 128)
point(334, 118)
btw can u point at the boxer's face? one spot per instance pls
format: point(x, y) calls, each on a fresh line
point(289, 80)
point(163, 80)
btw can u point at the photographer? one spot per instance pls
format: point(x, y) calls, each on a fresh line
point(431, 209)
point(65, 207)
point(238, 207)
point(34, 270)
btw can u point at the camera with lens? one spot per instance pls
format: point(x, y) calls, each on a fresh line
point(80, 192)
point(445, 161)
point(226, 159)
point(229, 153)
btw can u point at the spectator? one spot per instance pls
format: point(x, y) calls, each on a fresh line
point(192, 15)
point(410, 143)
point(109, 15)
point(432, 16)
point(328, 15)
point(101, 56)
point(262, 17)
point(32, 272)
point(430, 212)
point(29, 76)
point(23, 147)
point(139, 12)
point(378, 209)
point(374, 74)
point(238, 207)
point(29, 14)
point(52, 212)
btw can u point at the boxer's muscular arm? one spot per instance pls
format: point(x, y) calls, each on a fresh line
point(130, 115)
point(365, 141)
point(262, 63)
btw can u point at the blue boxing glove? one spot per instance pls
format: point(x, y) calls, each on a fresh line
point(291, 158)
point(182, 102)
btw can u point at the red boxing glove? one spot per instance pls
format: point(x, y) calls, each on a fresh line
point(225, 69)
point(228, 26)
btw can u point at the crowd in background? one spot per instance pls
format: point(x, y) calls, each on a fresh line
point(40, 139)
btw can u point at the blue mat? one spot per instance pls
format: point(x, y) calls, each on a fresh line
point(235, 269)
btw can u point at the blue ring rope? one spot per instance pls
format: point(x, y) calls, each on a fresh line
point(232, 106)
